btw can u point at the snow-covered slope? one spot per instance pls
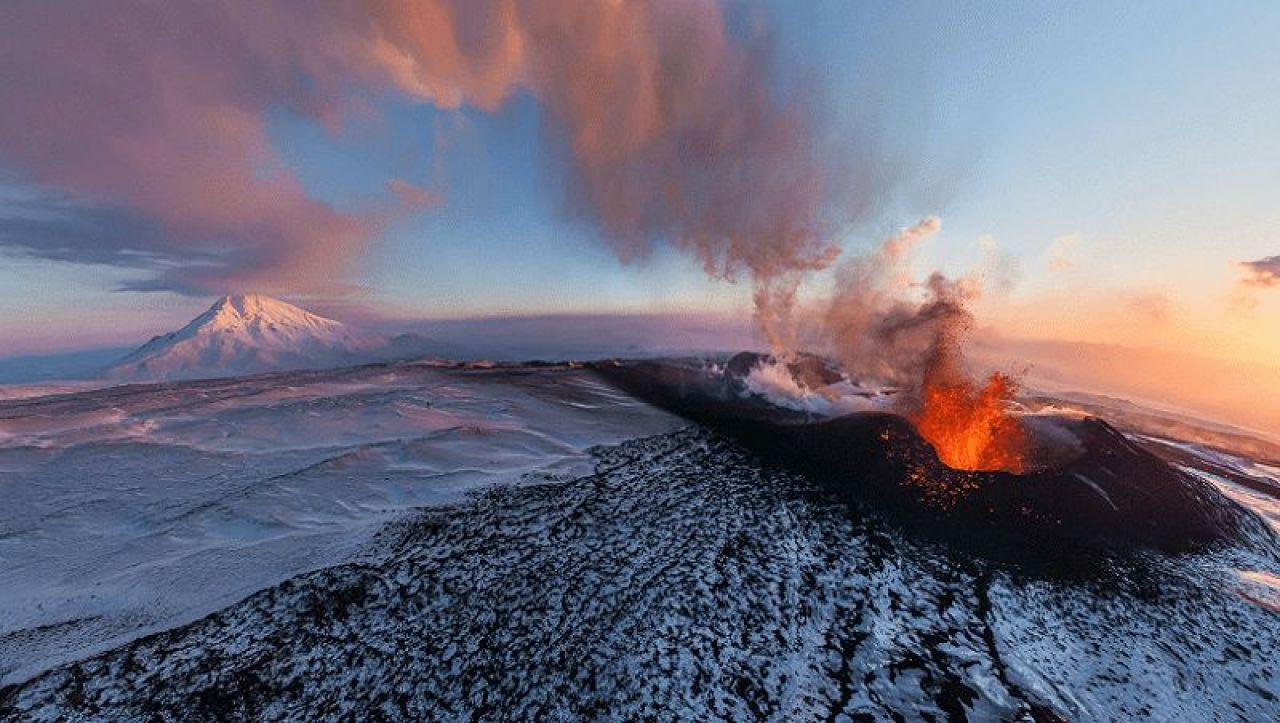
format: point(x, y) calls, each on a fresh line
point(443, 542)
point(246, 335)
point(134, 508)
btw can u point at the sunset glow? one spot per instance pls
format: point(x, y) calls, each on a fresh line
point(576, 360)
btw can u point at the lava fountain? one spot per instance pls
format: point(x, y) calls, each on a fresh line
point(970, 425)
point(969, 422)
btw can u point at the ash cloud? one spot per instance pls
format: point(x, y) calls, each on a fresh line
point(882, 324)
point(885, 327)
point(674, 127)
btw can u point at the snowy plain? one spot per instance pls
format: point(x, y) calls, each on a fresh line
point(133, 508)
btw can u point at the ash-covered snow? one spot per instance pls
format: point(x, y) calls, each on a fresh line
point(135, 508)
point(298, 547)
point(683, 581)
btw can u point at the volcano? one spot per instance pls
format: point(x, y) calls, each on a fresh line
point(251, 334)
point(1085, 488)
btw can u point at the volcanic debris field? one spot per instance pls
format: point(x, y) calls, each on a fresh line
point(683, 579)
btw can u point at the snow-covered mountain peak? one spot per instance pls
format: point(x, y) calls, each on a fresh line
point(258, 313)
point(250, 308)
point(246, 334)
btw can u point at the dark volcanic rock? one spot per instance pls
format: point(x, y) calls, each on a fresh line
point(1112, 494)
point(1103, 493)
point(809, 370)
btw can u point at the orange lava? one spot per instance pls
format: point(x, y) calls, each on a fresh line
point(970, 426)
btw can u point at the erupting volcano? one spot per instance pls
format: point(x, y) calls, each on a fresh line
point(969, 422)
point(971, 426)
point(638, 379)
point(1041, 486)
point(886, 327)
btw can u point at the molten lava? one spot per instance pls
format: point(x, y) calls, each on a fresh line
point(971, 426)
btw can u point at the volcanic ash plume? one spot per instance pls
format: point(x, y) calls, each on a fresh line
point(873, 330)
point(675, 129)
point(672, 125)
point(878, 332)
point(666, 114)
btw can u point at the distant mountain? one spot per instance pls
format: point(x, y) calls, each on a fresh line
point(253, 333)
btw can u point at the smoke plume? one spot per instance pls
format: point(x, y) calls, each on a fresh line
point(673, 123)
point(876, 326)
point(885, 327)
point(673, 128)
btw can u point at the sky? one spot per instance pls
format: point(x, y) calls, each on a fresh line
point(1109, 170)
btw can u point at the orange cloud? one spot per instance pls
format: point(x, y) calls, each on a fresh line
point(158, 108)
point(1150, 307)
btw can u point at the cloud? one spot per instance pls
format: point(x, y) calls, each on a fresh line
point(1263, 273)
point(414, 197)
point(1258, 276)
point(876, 325)
point(61, 229)
point(157, 109)
point(673, 128)
point(672, 123)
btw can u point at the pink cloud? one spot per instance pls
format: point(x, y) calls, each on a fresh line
point(158, 107)
point(672, 126)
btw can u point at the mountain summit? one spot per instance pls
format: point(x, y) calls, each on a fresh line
point(250, 334)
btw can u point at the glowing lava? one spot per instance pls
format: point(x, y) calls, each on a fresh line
point(971, 426)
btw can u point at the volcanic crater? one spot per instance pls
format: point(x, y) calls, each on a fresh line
point(1081, 486)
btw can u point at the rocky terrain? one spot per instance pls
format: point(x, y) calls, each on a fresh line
point(686, 580)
